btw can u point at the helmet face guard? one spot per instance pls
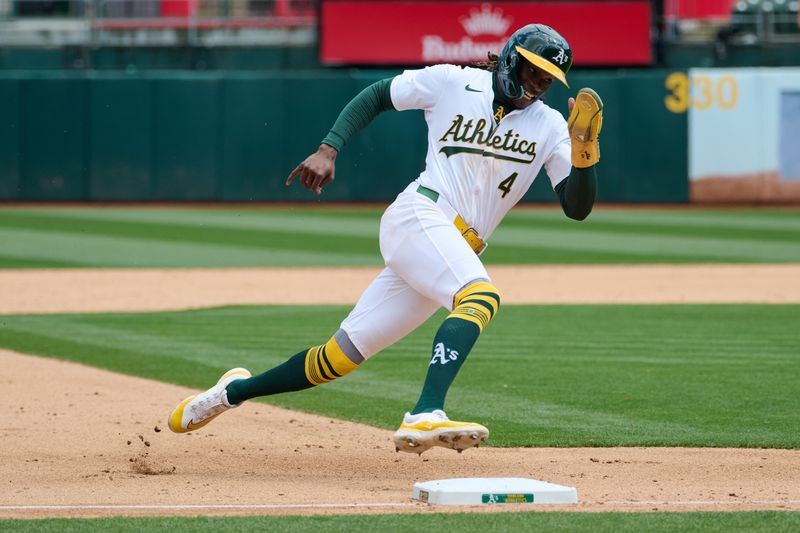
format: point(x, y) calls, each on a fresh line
point(542, 46)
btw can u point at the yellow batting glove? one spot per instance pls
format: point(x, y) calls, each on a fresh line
point(584, 124)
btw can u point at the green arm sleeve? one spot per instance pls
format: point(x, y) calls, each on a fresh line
point(577, 192)
point(359, 112)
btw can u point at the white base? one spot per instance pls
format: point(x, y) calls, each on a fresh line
point(481, 491)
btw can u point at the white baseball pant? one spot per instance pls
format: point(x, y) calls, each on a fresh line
point(427, 263)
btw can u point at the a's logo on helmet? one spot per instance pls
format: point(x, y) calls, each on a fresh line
point(561, 57)
point(486, 21)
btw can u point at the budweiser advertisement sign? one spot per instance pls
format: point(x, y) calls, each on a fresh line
point(422, 33)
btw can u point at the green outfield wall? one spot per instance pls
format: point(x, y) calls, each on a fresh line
point(234, 136)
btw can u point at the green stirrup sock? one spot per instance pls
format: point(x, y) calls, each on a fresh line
point(451, 345)
point(286, 377)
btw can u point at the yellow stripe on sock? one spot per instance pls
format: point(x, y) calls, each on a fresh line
point(477, 303)
point(324, 366)
point(311, 374)
point(487, 301)
point(327, 362)
point(469, 318)
point(341, 364)
point(473, 314)
point(489, 290)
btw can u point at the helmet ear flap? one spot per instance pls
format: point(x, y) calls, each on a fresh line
point(513, 59)
point(508, 72)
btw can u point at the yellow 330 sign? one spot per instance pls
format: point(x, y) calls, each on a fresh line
point(700, 92)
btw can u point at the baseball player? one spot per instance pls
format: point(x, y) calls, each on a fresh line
point(489, 134)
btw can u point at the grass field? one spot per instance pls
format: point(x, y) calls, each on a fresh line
point(767, 522)
point(157, 237)
point(673, 375)
point(556, 375)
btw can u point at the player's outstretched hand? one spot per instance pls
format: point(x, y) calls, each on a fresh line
point(317, 170)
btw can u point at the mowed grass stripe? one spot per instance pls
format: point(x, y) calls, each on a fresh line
point(55, 248)
point(363, 222)
point(36, 249)
point(336, 236)
point(784, 222)
point(722, 522)
point(186, 233)
point(779, 221)
point(24, 261)
point(541, 254)
point(674, 375)
point(681, 248)
point(759, 222)
point(360, 223)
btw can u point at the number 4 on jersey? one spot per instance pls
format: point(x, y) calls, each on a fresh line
point(506, 184)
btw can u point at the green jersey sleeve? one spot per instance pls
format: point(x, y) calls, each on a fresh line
point(577, 193)
point(359, 112)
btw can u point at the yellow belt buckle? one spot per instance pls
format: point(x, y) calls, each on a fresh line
point(470, 235)
point(476, 243)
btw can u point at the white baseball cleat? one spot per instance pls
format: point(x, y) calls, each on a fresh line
point(422, 431)
point(199, 409)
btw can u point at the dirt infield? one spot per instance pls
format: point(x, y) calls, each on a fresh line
point(97, 290)
point(78, 441)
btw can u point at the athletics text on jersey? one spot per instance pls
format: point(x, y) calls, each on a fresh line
point(482, 162)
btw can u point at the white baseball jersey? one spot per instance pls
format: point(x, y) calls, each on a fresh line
point(481, 167)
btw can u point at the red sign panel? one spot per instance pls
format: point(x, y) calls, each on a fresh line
point(700, 9)
point(398, 33)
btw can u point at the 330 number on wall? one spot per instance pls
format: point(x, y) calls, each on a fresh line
point(700, 92)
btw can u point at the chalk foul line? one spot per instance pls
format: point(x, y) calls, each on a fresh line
point(698, 502)
point(178, 507)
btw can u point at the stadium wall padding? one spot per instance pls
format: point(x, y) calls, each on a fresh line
point(235, 136)
point(672, 55)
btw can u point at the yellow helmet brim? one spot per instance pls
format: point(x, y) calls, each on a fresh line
point(542, 63)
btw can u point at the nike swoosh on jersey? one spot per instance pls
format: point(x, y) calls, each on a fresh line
point(470, 89)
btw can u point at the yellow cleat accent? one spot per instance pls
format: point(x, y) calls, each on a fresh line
point(199, 409)
point(423, 431)
point(175, 418)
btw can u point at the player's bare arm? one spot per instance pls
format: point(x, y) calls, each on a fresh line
point(317, 170)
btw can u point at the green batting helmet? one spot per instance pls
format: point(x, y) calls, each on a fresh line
point(541, 45)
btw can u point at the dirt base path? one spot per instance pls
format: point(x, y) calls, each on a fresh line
point(79, 438)
point(97, 290)
point(78, 441)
